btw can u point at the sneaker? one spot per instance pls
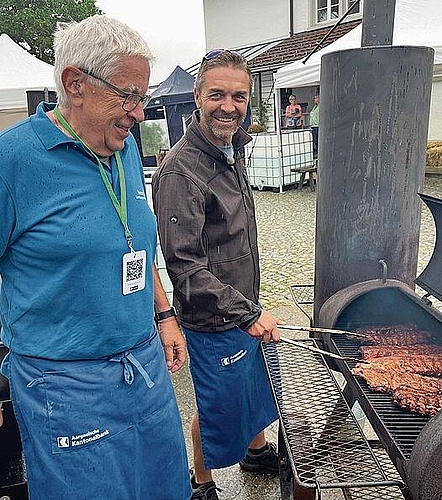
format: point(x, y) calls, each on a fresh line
point(264, 463)
point(205, 491)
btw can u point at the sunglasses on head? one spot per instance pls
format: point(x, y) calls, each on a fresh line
point(213, 54)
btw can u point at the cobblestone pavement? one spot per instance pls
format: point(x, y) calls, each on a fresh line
point(286, 223)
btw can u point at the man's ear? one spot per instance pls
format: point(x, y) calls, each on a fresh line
point(73, 79)
point(197, 98)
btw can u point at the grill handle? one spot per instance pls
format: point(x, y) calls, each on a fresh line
point(384, 270)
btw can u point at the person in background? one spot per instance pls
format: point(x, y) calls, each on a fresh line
point(88, 368)
point(293, 114)
point(314, 124)
point(207, 227)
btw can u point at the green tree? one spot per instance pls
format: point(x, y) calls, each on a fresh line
point(153, 138)
point(32, 23)
point(263, 114)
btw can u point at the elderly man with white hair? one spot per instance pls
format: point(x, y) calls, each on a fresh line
point(88, 366)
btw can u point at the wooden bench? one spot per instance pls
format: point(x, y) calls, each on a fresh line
point(311, 171)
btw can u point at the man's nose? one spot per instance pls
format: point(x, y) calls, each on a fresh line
point(228, 105)
point(137, 113)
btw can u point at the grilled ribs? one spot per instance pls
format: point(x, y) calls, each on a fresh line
point(419, 363)
point(412, 391)
point(425, 403)
point(387, 377)
point(371, 352)
point(398, 335)
point(406, 363)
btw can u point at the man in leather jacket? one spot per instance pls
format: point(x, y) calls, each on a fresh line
point(207, 226)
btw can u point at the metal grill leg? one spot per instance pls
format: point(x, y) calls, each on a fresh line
point(290, 490)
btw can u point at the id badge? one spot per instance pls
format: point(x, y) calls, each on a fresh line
point(134, 272)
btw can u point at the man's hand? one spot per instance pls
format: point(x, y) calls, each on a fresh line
point(266, 327)
point(174, 343)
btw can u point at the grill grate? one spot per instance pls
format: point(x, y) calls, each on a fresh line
point(303, 296)
point(327, 447)
point(400, 428)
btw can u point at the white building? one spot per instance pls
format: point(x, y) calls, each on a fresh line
point(273, 34)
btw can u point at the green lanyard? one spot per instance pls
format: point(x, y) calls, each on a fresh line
point(121, 208)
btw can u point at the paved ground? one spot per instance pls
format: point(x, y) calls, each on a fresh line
point(286, 235)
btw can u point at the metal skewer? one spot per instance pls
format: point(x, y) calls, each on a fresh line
point(320, 351)
point(322, 330)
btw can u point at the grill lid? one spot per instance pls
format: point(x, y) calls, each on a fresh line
point(430, 278)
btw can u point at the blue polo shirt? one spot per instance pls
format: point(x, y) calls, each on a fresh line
point(62, 245)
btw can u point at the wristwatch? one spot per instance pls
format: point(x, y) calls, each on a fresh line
point(165, 314)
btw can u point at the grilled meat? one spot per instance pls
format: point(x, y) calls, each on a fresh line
point(371, 352)
point(406, 363)
point(398, 335)
point(386, 379)
point(425, 402)
point(378, 379)
point(410, 391)
point(419, 363)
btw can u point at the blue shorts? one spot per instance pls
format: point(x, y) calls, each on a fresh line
point(107, 428)
point(233, 393)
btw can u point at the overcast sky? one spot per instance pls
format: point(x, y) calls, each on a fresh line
point(173, 29)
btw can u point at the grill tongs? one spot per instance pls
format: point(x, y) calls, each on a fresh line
point(323, 330)
point(316, 349)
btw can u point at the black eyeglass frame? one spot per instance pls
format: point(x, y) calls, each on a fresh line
point(133, 100)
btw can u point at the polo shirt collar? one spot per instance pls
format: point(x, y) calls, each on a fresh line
point(50, 135)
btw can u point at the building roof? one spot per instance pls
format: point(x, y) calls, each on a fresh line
point(297, 47)
point(277, 53)
point(248, 51)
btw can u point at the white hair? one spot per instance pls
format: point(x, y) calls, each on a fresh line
point(96, 44)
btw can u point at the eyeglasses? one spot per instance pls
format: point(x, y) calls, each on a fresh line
point(131, 101)
point(213, 54)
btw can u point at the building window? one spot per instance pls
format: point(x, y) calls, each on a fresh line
point(255, 97)
point(326, 10)
point(357, 8)
point(331, 10)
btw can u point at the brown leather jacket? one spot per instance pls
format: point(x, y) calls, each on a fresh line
point(207, 228)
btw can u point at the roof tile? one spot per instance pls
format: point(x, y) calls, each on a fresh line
point(298, 46)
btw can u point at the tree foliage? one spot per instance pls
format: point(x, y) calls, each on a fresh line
point(153, 137)
point(32, 23)
point(263, 114)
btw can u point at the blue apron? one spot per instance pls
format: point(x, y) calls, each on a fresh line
point(107, 428)
point(233, 393)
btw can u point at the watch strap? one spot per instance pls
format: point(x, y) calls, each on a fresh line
point(165, 314)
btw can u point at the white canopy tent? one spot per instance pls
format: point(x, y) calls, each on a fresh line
point(416, 24)
point(19, 71)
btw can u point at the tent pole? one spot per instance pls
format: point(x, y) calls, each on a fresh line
point(277, 108)
point(167, 123)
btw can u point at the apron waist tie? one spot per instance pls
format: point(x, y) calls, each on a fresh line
point(129, 361)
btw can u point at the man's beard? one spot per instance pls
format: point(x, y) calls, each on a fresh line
point(223, 133)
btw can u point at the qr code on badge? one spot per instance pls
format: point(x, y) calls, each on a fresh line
point(134, 269)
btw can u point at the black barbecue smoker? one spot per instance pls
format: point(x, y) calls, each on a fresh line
point(374, 123)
